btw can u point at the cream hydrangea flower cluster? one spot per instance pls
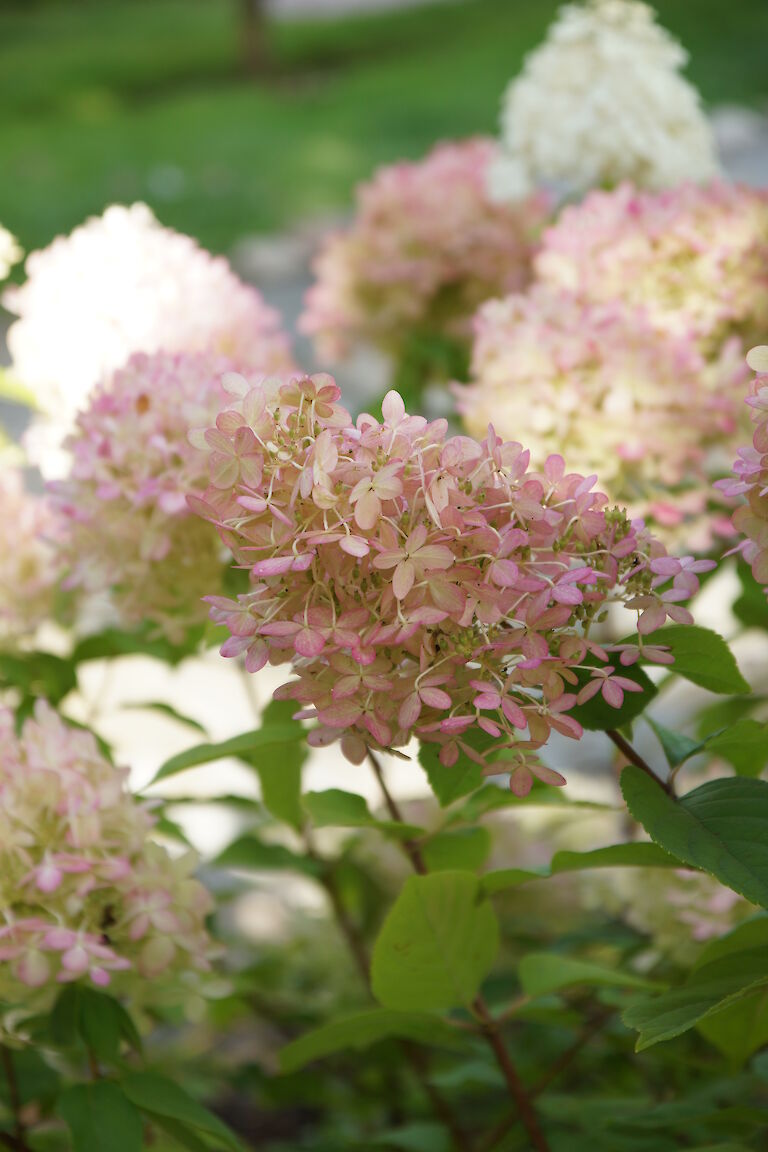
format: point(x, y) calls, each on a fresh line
point(602, 100)
point(619, 397)
point(426, 247)
point(10, 252)
point(693, 257)
point(421, 585)
point(125, 523)
point(29, 571)
point(85, 894)
point(751, 470)
point(121, 283)
point(679, 910)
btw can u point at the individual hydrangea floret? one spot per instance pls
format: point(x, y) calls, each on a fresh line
point(125, 523)
point(693, 257)
point(420, 584)
point(119, 284)
point(426, 247)
point(85, 893)
point(10, 252)
point(751, 470)
point(29, 573)
point(600, 101)
point(620, 398)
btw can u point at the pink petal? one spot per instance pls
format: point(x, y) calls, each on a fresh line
point(275, 566)
point(504, 573)
point(434, 556)
point(405, 575)
point(367, 510)
point(521, 781)
point(612, 694)
point(435, 698)
point(355, 546)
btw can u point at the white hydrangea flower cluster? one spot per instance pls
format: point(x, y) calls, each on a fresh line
point(600, 101)
point(121, 283)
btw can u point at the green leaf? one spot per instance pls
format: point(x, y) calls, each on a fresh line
point(542, 973)
point(280, 773)
point(597, 715)
point(503, 878)
point(168, 710)
point(35, 1079)
point(676, 747)
point(183, 1135)
point(464, 848)
point(364, 1029)
point(721, 827)
point(465, 1073)
point(752, 933)
point(641, 854)
point(99, 1117)
point(751, 608)
point(638, 854)
point(244, 746)
point(449, 783)
point(38, 674)
point(492, 797)
point(709, 990)
point(436, 945)
point(335, 808)
point(744, 745)
point(145, 641)
point(164, 826)
point(160, 1096)
point(96, 1017)
point(723, 713)
point(702, 657)
point(279, 770)
point(741, 1029)
point(248, 852)
point(418, 1137)
point(99, 1023)
point(65, 1016)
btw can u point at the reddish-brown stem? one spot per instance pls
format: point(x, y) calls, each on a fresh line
point(489, 1026)
point(517, 1090)
point(635, 758)
point(416, 1059)
point(593, 1026)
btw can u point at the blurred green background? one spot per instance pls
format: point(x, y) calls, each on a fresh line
point(118, 100)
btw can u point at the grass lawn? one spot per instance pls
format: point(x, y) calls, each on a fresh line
point(104, 100)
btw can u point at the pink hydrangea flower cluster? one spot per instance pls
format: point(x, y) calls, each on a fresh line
point(421, 585)
point(126, 526)
point(119, 284)
point(751, 471)
point(29, 572)
point(693, 256)
point(618, 397)
point(85, 894)
point(428, 244)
